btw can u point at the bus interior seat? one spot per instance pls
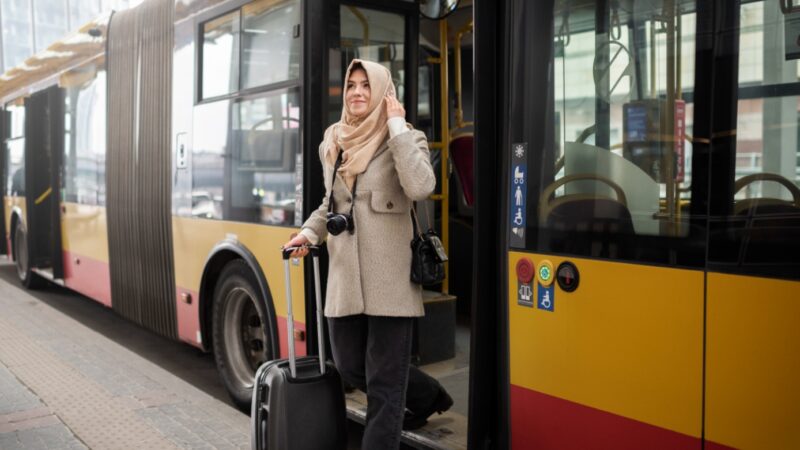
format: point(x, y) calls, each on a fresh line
point(763, 206)
point(768, 227)
point(461, 153)
point(642, 191)
point(595, 214)
point(269, 150)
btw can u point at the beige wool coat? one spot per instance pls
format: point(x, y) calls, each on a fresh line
point(369, 271)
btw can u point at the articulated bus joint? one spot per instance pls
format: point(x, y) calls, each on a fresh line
point(224, 252)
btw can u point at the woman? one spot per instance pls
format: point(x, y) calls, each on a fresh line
point(371, 303)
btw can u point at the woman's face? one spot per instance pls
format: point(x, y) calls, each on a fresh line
point(358, 93)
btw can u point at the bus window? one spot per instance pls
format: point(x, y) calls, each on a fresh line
point(759, 232)
point(271, 44)
point(619, 121)
point(616, 164)
point(244, 156)
point(373, 35)
point(220, 51)
point(266, 140)
point(15, 148)
point(84, 135)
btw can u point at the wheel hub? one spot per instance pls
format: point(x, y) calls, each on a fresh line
point(244, 336)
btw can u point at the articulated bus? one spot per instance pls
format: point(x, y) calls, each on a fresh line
point(618, 191)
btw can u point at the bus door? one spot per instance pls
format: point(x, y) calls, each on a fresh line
point(44, 128)
point(753, 302)
point(605, 250)
point(389, 33)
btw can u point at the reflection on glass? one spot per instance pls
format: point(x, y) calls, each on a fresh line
point(15, 152)
point(620, 124)
point(16, 167)
point(85, 136)
point(220, 74)
point(271, 49)
point(373, 35)
point(759, 230)
point(245, 171)
point(767, 128)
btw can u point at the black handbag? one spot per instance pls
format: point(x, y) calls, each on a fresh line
point(427, 255)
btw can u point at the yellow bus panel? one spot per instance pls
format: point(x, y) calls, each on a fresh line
point(628, 341)
point(753, 362)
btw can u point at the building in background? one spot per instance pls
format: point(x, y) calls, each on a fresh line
point(30, 26)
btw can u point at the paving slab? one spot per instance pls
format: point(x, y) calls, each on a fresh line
point(65, 386)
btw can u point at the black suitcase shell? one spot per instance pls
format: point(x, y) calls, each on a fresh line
point(306, 412)
point(301, 412)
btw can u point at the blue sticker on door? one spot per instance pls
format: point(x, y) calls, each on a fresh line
point(517, 194)
point(545, 297)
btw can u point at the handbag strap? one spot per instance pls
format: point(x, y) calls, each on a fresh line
point(417, 227)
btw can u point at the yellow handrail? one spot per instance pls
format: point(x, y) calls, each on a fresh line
point(457, 62)
point(445, 149)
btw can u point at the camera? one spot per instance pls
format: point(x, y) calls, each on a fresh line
point(339, 222)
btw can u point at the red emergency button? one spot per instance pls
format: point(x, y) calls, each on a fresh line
point(525, 270)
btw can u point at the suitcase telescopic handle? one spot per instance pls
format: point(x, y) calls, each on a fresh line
point(287, 251)
point(314, 252)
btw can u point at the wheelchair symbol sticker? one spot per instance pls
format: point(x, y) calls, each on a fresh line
point(546, 298)
point(518, 219)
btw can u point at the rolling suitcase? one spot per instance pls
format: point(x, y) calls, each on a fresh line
point(298, 403)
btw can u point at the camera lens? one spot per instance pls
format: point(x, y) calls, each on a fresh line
point(336, 223)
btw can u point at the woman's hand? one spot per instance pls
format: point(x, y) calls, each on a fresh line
point(394, 108)
point(297, 240)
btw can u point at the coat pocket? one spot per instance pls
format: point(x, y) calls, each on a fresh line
point(390, 202)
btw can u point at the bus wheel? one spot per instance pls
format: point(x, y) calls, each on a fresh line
point(29, 279)
point(239, 336)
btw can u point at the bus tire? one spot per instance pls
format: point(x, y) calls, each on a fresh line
point(239, 334)
point(26, 276)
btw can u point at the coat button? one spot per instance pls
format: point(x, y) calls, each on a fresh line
point(349, 200)
point(390, 205)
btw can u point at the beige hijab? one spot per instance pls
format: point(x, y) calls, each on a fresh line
point(360, 137)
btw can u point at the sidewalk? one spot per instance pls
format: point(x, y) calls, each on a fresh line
point(66, 386)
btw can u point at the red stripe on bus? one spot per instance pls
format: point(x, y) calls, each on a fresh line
point(545, 422)
point(188, 316)
point(88, 276)
point(299, 346)
point(714, 446)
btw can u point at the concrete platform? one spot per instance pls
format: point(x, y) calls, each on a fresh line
point(75, 375)
point(64, 385)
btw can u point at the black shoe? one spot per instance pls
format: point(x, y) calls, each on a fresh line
point(417, 420)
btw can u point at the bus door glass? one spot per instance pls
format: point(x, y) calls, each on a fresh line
point(753, 339)
point(606, 256)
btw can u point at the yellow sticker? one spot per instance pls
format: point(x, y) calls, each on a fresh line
point(545, 273)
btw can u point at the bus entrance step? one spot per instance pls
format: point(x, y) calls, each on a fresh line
point(446, 431)
point(435, 337)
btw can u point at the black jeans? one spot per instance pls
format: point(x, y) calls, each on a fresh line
point(374, 355)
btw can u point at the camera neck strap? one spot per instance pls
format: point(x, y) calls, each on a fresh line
point(333, 181)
